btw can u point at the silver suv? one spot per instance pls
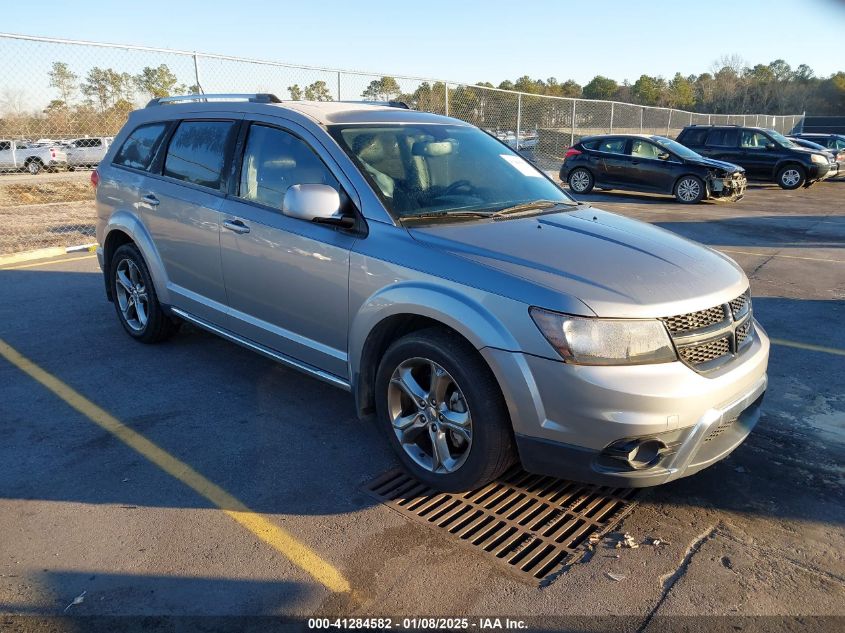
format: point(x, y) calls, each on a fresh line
point(478, 312)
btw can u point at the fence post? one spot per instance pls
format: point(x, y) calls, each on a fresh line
point(197, 75)
point(338, 85)
point(611, 116)
point(642, 112)
point(446, 96)
point(690, 118)
point(518, 117)
point(669, 122)
point(572, 126)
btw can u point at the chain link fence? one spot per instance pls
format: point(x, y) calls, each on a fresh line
point(62, 102)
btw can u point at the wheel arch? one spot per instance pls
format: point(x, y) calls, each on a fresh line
point(125, 228)
point(786, 162)
point(400, 310)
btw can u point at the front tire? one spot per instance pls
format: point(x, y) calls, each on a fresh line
point(442, 411)
point(34, 166)
point(791, 177)
point(689, 190)
point(581, 180)
point(135, 300)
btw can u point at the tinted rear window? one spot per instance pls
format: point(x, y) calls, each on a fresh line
point(590, 144)
point(197, 152)
point(724, 137)
point(695, 136)
point(140, 147)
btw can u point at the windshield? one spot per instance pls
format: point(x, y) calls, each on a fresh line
point(780, 138)
point(673, 146)
point(444, 169)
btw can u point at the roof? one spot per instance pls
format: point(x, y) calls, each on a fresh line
point(322, 112)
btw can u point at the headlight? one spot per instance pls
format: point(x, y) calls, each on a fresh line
point(594, 341)
point(819, 158)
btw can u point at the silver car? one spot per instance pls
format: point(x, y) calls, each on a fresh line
point(476, 311)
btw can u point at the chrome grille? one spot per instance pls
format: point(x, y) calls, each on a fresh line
point(706, 352)
point(695, 320)
point(740, 305)
point(709, 338)
point(742, 333)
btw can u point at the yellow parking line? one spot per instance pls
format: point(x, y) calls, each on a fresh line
point(47, 263)
point(811, 259)
point(808, 346)
point(283, 542)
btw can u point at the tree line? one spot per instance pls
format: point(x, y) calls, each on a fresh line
point(731, 87)
point(99, 101)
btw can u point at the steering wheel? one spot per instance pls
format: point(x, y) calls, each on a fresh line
point(455, 188)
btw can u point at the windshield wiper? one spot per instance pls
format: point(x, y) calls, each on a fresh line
point(447, 214)
point(529, 208)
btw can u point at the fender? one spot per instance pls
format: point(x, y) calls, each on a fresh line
point(129, 223)
point(460, 311)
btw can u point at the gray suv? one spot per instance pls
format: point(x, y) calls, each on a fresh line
point(475, 310)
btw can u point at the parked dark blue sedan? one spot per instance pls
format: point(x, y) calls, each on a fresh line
point(652, 164)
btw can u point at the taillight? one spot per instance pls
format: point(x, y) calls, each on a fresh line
point(52, 153)
point(95, 178)
point(571, 152)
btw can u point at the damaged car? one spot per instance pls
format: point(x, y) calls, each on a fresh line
point(651, 164)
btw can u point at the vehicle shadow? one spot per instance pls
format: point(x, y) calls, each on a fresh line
point(283, 443)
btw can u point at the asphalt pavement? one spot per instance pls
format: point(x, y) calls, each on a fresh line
point(195, 478)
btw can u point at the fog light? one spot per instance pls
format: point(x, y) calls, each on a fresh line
point(636, 454)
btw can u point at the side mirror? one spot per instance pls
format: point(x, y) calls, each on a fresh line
point(314, 203)
point(663, 155)
point(771, 146)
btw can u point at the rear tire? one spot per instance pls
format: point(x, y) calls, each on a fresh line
point(461, 411)
point(791, 177)
point(135, 300)
point(581, 180)
point(689, 190)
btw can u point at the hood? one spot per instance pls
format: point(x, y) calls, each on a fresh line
point(717, 164)
point(617, 266)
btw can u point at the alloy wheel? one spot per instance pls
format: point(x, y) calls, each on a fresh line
point(689, 189)
point(131, 294)
point(790, 177)
point(430, 416)
point(579, 180)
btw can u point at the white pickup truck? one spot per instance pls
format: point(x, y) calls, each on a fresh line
point(33, 157)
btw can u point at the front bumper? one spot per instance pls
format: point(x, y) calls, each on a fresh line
point(731, 188)
point(566, 417)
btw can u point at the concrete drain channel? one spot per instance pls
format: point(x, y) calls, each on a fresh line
point(531, 524)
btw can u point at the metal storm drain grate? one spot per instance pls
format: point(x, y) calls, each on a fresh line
point(533, 524)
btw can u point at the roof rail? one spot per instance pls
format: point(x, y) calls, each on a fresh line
point(261, 97)
point(390, 104)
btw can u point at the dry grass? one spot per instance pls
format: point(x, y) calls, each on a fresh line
point(46, 192)
point(26, 228)
point(46, 212)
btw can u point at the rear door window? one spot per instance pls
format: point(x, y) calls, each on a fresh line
point(197, 152)
point(139, 149)
point(612, 145)
point(695, 137)
point(723, 137)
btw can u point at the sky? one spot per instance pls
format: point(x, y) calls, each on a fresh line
point(464, 41)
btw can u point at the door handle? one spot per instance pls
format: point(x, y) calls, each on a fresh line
point(635, 162)
point(150, 200)
point(236, 225)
